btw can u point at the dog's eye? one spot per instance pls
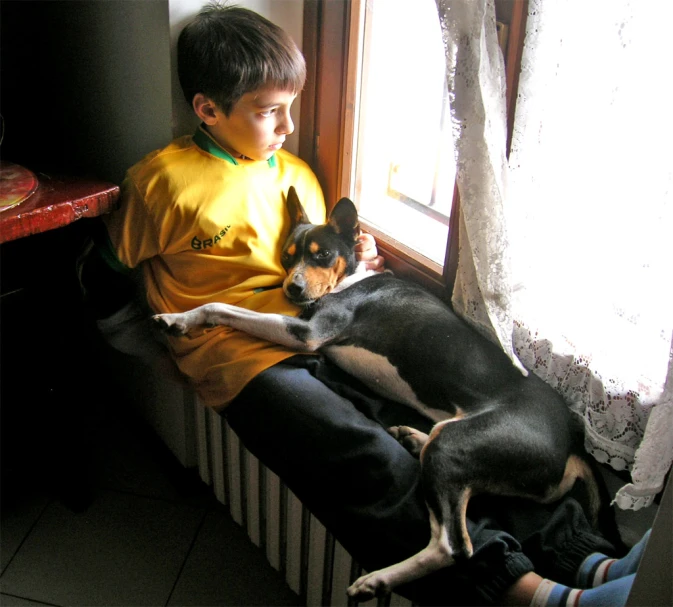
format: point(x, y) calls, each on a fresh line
point(285, 256)
point(323, 254)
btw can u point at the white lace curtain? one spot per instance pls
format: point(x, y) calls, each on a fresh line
point(565, 248)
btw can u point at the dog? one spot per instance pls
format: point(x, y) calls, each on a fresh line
point(496, 431)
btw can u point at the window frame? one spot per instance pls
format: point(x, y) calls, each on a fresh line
point(328, 119)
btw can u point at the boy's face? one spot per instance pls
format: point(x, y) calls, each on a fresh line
point(257, 125)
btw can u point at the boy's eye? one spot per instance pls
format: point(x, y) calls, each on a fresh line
point(268, 113)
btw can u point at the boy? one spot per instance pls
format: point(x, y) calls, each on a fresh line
point(205, 219)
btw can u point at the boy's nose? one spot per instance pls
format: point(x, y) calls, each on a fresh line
point(285, 126)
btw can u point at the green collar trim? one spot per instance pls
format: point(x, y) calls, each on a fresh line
point(208, 144)
point(203, 139)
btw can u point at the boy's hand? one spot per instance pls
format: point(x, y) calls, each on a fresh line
point(366, 251)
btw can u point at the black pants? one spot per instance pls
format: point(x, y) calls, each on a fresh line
point(323, 433)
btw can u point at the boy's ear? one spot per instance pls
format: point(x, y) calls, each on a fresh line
point(204, 107)
point(344, 219)
point(295, 209)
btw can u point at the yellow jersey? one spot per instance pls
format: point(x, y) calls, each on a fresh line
point(207, 227)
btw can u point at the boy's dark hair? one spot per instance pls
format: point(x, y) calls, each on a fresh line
point(228, 51)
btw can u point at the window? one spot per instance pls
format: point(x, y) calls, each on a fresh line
point(375, 124)
point(404, 169)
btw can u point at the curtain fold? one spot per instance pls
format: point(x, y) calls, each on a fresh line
point(476, 82)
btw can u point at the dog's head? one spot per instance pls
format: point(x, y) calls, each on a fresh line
point(317, 257)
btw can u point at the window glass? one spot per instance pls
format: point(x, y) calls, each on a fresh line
point(405, 168)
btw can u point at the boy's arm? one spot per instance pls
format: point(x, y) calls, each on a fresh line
point(120, 242)
point(130, 235)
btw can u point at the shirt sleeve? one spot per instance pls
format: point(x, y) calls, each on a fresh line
point(131, 230)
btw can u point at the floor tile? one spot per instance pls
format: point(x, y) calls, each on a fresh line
point(123, 550)
point(7, 600)
point(16, 520)
point(225, 568)
point(129, 457)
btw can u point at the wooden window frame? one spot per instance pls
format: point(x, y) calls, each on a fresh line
point(327, 119)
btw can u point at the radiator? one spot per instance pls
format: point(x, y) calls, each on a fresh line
point(295, 543)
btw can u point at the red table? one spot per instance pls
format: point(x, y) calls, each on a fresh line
point(57, 202)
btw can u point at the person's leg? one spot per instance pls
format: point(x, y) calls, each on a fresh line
point(343, 465)
point(556, 537)
point(600, 581)
point(610, 594)
point(559, 547)
point(564, 548)
point(324, 434)
point(598, 568)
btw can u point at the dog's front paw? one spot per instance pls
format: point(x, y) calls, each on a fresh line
point(369, 586)
point(171, 323)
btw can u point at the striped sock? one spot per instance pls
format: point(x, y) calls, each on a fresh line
point(594, 570)
point(610, 594)
point(550, 593)
point(597, 568)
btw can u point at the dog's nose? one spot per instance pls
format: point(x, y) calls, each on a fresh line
point(295, 289)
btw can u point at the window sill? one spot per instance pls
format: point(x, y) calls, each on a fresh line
point(409, 264)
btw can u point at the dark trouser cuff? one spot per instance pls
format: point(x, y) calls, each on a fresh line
point(558, 548)
point(572, 553)
point(516, 565)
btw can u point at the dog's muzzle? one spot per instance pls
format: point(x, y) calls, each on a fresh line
point(295, 289)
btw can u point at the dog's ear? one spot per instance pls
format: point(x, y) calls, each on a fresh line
point(344, 219)
point(295, 209)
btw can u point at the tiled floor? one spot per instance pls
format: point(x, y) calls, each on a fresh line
point(149, 536)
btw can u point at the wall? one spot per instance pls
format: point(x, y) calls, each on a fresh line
point(85, 85)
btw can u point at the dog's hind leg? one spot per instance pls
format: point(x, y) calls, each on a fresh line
point(448, 542)
point(435, 556)
point(411, 439)
point(452, 503)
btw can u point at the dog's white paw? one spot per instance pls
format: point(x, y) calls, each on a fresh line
point(369, 586)
point(171, 323)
